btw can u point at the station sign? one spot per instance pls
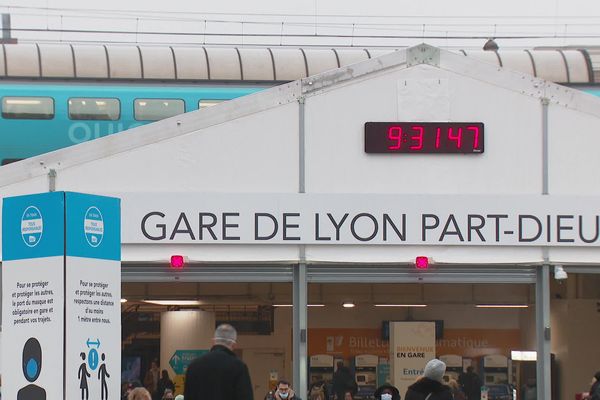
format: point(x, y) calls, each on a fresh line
point(181, 359)
point(361, 219)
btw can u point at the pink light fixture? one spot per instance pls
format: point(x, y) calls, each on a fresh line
point(422, 262)
point(177, 262)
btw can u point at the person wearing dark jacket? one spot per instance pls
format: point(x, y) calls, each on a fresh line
point(430, 384)
point(470, 384)
point(219, 374)
point(343, 381)
point(595, 389)
point(387, 392)
point(164, 383)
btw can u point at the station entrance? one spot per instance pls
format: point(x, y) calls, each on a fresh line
point(478, 323)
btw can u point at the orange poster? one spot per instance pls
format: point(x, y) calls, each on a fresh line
point(347, 343)
point(472, 343)
point(475, 343)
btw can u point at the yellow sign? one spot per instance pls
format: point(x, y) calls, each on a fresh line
point(179, 382)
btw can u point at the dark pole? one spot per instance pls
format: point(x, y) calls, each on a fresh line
point(6, 30)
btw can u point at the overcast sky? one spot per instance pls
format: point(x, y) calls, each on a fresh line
point(335, 22)
point(371, 7)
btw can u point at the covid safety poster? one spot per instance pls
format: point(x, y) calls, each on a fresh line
point(61, 291)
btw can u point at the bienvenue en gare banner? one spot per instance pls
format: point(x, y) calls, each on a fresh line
point(247, 218)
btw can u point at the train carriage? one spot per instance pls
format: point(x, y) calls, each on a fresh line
point(58, 95)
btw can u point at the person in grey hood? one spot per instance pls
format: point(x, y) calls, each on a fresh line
point(430, 386)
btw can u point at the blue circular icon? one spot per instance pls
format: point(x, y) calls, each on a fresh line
point(32, 368)
point(93, 226)
point(93, 359)
point(32, 226)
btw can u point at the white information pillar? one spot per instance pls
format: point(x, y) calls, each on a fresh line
point(412, 345)
point(61, 293)
point(184, 336)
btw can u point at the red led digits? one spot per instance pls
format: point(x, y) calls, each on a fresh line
point(457, 138)
point(424, 137)
point(475, 130)
point(418, 137)
point(395, 133)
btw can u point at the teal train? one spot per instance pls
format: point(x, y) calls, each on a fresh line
point(40, 117)
point(58, 95)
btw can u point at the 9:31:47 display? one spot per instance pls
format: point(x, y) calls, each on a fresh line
point(424, 137)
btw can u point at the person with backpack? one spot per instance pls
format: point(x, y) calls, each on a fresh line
point(430, 386)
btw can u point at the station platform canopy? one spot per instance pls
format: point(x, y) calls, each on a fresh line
point(184, 64)
point(293, 159)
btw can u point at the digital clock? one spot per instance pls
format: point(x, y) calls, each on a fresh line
point(424, 137)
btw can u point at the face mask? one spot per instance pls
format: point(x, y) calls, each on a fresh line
point(386, 396)
point(285, 395)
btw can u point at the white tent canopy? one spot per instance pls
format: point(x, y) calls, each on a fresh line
point(300, 146)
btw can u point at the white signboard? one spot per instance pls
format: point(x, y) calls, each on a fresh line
point(454, 365)
point(412, 345)
point(361, 219)
point(495, 361)
point(452, 361)
point(366, 360)
point(321, 361)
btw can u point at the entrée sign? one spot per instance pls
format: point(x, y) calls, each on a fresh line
point(361, 219)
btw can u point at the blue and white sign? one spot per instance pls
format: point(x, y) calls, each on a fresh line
point(61, 291)
point(33, 244)
point(32, 226)
point(93, 293)
point(93, 226)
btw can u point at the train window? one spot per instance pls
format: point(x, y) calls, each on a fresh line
point(208, 103)
point(28, 107)
point(157, 109)
point(95, 109)
point(7, 161)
